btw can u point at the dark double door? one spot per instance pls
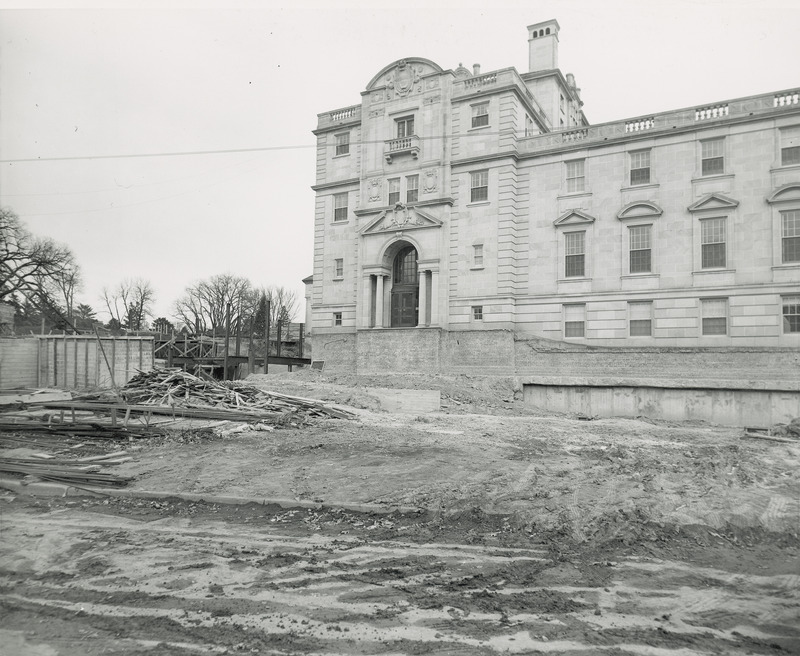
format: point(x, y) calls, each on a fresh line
point(404, 307)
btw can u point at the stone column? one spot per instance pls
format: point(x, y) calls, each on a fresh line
point(422, 319)
point(366, 307)
point(434, 320)
point(379, 302)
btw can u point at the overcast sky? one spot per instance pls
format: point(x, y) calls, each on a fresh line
point(86, 83)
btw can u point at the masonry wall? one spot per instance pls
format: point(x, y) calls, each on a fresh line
point(399, 351)
point(18, 359)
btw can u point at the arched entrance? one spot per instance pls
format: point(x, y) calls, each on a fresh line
point(405, 288)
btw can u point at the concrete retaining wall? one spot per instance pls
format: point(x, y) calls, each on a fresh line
point(728, 407)
point(73, 362)
point(18, 358)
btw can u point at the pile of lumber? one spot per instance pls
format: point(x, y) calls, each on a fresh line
point(174, 388)
point(78, 473)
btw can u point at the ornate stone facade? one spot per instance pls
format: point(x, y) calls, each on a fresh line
point(486, 202)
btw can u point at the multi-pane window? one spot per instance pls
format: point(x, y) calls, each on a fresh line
point(640, 167)
point(640, 318)
point(338, 268)
point(715, 316)
point(477, 312)
point(712, 156)
point(337, 318)
point(340, 207)
point(790, 236)
point(412, 188)
point(479, 186)
point(640, 250)
point(712, 243)
point(405, 267)
point(394, 191)
point(477, 255)
point(480, 115)
point(574, 320)
point(575, 176)
point(343, 143)
point(790, 146)
point(405, 126)
point(575, 254)
point(791, 314)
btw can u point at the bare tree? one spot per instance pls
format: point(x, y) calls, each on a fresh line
point(130, 303)
point(203, 307)
point(35, 270)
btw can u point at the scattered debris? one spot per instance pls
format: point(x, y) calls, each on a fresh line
point(778, 433)
point(73, 473)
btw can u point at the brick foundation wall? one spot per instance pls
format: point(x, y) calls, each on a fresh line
point(544, 361)
point(399, 351)
point(338, 350)
point(488, 352)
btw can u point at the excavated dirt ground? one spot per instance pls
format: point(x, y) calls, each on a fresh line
point(523, 533)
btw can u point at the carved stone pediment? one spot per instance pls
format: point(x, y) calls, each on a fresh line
point(787, 193)
point(404, 76)
point(713, 202)
point(639, 209)
point(573, 217)
point(400, 217)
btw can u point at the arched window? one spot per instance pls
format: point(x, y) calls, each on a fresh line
point(405, 267)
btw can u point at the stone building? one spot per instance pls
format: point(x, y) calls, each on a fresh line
point(466, 220)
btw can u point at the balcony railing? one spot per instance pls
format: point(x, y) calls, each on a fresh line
point(401, 146)
point(731, 110)
point(344, 115)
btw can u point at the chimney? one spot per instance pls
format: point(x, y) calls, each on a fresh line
point(476, 69)
point(543, 46)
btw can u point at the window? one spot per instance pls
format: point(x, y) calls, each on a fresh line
point(412, 188)
point(791, 314)
point(713, 160)
point(337, 318)
point(405, 267)
point(712, 241)
point(715, 316)
point(639, 249)
point(477, 255)
point(338, 268)
point(529, 131)
point(479, 186)
point(640, 167)
point(477, 312)
point(340, 207)
point(394, 191)
point(343, 143)
point(790, 236)
point(574, 320)
point(405, 126)
point(480, 115)
point(575, 256)
point(640, 318)
point(790, 146)
point(575, 178)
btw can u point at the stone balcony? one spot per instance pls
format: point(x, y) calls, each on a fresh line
point(338, 117)
point(658, 124)
point(401, 146)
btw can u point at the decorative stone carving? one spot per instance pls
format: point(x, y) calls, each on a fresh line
point(403, 79)
point(374, 189)
point(377, 112)
point(431, 181)
point(430, 100)
point(402, 217)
